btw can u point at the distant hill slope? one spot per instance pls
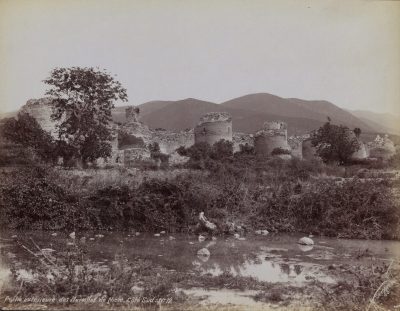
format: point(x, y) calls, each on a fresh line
point(184, 114)
point(249, 112)
point(10, 114)
point(388, 122)
point(317, 110)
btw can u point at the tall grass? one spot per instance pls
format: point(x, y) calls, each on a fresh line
point(275, 195)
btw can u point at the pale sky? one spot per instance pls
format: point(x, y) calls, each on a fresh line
point(346, 52)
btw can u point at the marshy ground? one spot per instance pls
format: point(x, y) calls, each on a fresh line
point(103, 270)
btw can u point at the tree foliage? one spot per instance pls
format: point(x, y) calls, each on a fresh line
point(221, 150)
point(26, 131)
point(335, 143)
point(357, 131)
point(246, 149)
point(279, 150)
point(156, 153)
point(82, 103)
point(202, 155)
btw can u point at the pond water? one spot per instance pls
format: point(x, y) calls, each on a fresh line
point(275, 258)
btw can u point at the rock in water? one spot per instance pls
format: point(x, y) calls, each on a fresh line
point(261, 232)
point(201, 238)
point(306, 241)
point(203, 252)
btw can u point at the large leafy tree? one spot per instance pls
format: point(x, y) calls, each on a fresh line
point(82, 103)
point(335, 143)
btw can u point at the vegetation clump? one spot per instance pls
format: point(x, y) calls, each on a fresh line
point(281, 196)
point(278, 151)
point(335, 143)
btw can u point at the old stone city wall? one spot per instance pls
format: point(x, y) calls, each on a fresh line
point(41, 110)
point(242, 139)
point(296, 146)
point(211, 128)
point(273, 135)
point(170, 141)
point(381, 148)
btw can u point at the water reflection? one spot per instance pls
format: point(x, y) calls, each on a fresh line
point(267, 270)
point(273, 258)
point(305, 248)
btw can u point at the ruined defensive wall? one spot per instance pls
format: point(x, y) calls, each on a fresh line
point(170, 141)
point(273, 135)
point(296, 146)
point(213, 127)
point(309, 152)
point(41, 110)
point(242, 139)
point(131, 139)
point(381, 148)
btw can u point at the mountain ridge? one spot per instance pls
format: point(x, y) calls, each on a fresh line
point(250, 111)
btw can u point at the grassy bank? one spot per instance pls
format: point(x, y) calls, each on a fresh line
point(295, 196)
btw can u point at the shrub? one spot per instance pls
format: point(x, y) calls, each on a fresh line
point(354, 208)
point(221, 150)
point(154, 205)
point(246, 149)
point(29, 200)
point(335, 143)
point(16, 155)
point(395, 161)
point(278, 151)
point(126, 140)
point(26, 131)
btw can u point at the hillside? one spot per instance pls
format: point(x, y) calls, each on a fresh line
point(249, 112)
point(184, 114)
point(298, 108)
point(388, 122)
point(11, 114)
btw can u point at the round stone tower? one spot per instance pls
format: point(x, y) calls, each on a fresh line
point(273, 135)
point(213, 127)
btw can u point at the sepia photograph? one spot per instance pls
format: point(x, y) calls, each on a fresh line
point(219, 155)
